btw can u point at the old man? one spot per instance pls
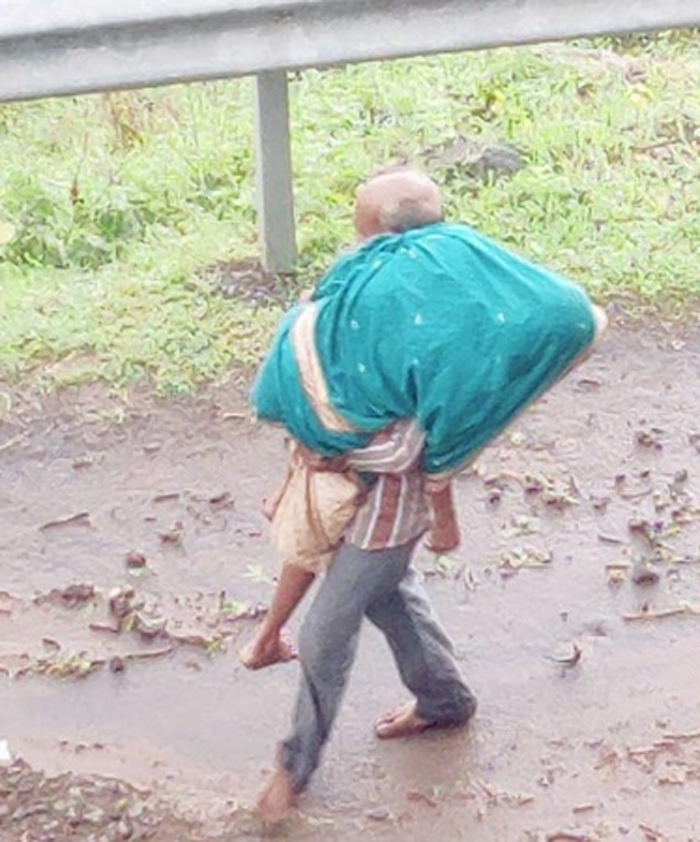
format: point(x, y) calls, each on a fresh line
point(427, 322)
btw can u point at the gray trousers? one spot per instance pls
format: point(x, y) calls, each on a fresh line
point(381, 586)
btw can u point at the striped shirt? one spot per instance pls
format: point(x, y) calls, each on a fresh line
point(395, 511)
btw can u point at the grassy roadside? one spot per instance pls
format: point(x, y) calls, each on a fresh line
point(112, 206)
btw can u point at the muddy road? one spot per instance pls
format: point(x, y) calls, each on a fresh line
point(134, 561)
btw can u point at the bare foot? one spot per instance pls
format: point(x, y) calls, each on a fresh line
point(270, 504)
point(277, 798)
point(402, 722)
point(264, 651)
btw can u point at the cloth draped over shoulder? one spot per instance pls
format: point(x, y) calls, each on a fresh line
point(439, 324)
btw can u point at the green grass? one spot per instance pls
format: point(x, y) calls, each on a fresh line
point(111, 207)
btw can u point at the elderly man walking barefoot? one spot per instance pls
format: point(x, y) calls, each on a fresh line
point(431, 323)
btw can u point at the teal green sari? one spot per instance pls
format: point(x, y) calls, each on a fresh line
point(440, 324)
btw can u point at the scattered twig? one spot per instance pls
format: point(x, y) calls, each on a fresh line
point(635, 495)
point(166, 497)
point(103, 627)
point(645, 751)
point(681, 738)
point(609, 539)
point(12, 442)
point(81, 519)
point(650, 834)
point(74, 596)
point(148, 654)
point(661, 615)
point(418, 796)
point(662, 144)
point(221, 501)
point(520, 558)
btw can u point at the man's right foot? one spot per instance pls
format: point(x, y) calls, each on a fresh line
point(262, 652)
point(277, 798)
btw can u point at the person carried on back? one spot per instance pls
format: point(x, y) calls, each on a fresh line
point(415, 351)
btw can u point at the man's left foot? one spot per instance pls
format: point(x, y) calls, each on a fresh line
point(402, 722)
point(277, 798)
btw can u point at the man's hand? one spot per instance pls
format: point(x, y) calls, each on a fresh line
point(443, 536)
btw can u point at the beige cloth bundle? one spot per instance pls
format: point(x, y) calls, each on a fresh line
point(312, 511)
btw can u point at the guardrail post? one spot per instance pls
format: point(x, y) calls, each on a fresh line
point(274, 172)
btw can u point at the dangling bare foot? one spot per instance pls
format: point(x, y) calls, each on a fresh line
point(270, 504)
point(265, 651)
point(277, 798)
point(402, 722)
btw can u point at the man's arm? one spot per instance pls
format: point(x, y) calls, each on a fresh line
point(397, 451)
point(443, 536)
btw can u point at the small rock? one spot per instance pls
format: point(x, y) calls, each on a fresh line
point(117, 664)
point(22, 813)
point(125, 829)
point(149, 626)
point(616, 577)
point(172, 537)
point(121, 602)
point(94, 815)
point(379, 814)
point(652, 438)
point(82, 462)
point(644, 575)
point(680, 477)
point(136, 561)
point(74, 596)
point(137, 810)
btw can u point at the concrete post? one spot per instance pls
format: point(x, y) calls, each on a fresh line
point(274, 172)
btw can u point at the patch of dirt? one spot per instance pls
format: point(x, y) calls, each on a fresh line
point(36, 807)
point(134, 559)
point(249, 282)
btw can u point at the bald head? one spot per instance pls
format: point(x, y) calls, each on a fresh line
point(396, 201)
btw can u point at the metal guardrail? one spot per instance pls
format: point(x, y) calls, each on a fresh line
point(54, 47)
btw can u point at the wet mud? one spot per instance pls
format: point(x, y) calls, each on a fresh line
point(134, 561)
